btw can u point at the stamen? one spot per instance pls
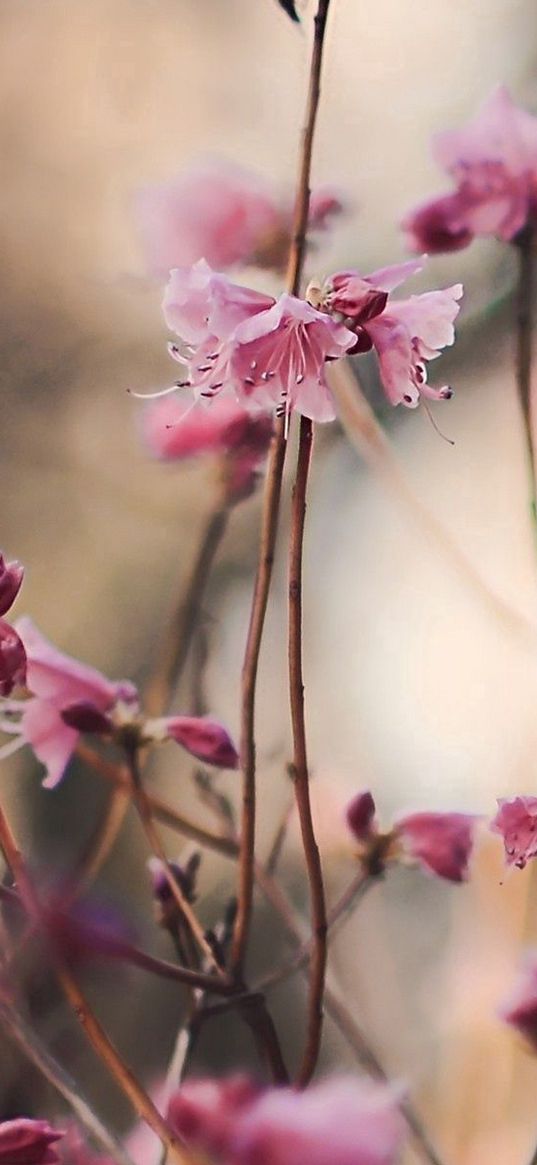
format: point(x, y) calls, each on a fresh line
point(155, 395)
point(434, 424)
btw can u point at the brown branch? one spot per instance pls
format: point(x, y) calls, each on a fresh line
point(102, 1045)
point(175, 645)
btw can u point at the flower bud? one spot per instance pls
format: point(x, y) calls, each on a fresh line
point(28, 1142)
point(11, 575)
point(12, 659)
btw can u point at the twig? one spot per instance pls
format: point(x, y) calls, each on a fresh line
point(145, 812)
point(279, 839)
point(35, 1051)
point(525, 242)
point(175, 645)
point(102, 1045)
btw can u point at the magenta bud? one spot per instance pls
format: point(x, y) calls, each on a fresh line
point(12, 659)
point(28, 1142)
point(206, 739)
point(11, 575)
point(86, 717)
point(185, 876)
point(361, 815)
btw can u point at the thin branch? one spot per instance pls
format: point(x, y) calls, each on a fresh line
point(34, 1050)
point(145, 812)
point(102, 1045)
point(525, 243)
point(175, 645)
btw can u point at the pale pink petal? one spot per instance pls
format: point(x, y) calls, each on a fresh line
point(388, 278)
point(429, 318)
point(393, 345)
point(52, 741)
point(53, 676)
point(490, 136)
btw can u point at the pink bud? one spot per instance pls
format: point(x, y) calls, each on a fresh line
point(516, 822)
point(28, 1142)
point(12, 659)
point(204, 1112)
point(11, 575)
point(206, 739)
point(361, 816)
point(441, 842)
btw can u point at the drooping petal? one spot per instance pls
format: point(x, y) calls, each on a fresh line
point(200, 303)
point(429, 318)
point(52, 741)
point(28, 1142)
point(54, 676)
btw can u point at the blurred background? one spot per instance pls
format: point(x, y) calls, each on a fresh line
point(420, 684)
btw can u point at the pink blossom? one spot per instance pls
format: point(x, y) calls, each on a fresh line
point(175, 428)
point(493, 161)
point(516, 821)
point(203, 737)
point(441, 842)
point(58, 683)
point(205, 1112)
point(520, 1009)
point(28, 1142)
point(221, 211)
point(343, 1121)
point(268, 353)
point(405, 333)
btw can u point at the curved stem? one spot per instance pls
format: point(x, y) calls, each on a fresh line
point(35, 1051)
point(300, 767)
point(175, 645)
point(102, 1045)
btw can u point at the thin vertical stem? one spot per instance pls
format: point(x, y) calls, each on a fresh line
point(296, 682)
point(269, 527)
point(102, 1045)
point(525, 242)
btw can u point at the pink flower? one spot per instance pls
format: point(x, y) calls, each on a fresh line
point(520, 1009)
point(493, 162)
point(205, 1112)
point(59, 683)
point(12, 653)
point(341, 1121)
point(516, 821)
point(268, 353)
point(223, 212)
point(28, 1142)
point(441, 842)
point(338, 1122)
point(175, 428)
point(204, 738)
point(405, 333)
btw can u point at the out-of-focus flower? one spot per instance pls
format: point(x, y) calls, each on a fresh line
point(222, 212)
point(74, 1149)
point(516, 822)
point(493, 161)
point(441, 843)
point(341, 1120)
point(175, 429)
point(520, 1008)
point(68, 697)
point(12, 654)
point(267, 353)
point(405, 333)
point(28, 1142)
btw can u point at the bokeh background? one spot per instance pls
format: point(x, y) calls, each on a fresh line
point(421, 677)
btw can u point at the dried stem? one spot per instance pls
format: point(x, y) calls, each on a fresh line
point(102, 1045)
point(525, 242)
point(35, 1051)
point(145, 812)
point(175, 645)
